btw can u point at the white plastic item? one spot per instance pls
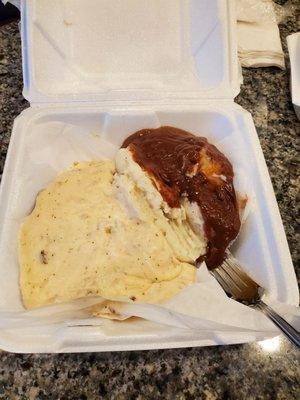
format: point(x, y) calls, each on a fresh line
point(293, 42)
point(109, 68)
point(128, 50)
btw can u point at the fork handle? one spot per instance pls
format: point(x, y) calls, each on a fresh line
point(281, 323)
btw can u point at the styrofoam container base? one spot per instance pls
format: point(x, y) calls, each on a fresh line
point(261, 244)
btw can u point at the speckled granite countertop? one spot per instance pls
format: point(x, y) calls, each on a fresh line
point(251, 371)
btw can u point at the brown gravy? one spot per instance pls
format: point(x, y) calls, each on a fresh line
point(182, 164)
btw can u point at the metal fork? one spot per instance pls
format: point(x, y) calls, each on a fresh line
point(238, 285)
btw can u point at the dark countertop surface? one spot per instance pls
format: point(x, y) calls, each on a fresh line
point(268, 370)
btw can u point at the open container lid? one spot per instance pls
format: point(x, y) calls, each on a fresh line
point(116, 50)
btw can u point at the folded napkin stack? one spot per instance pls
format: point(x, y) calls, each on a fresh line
point(259, 42)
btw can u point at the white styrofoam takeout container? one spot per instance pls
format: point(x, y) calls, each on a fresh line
point(114, 67)
point(293, 42)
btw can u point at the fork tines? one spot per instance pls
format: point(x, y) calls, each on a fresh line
point(235, 281)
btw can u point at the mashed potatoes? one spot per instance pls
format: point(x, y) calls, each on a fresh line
point(96, 232)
